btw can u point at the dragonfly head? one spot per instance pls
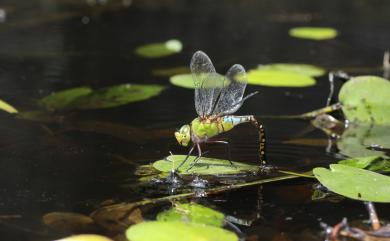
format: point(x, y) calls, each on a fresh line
point(183, 136)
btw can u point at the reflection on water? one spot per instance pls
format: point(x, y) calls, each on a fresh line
point(76, 164)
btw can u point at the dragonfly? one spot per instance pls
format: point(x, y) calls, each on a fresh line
point(216, 99)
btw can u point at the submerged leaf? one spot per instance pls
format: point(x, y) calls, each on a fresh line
point(305, 69)
point(173, 231)
point(60, 100)
point(7, 107)
point(279, 78)
point(313, 33)
point(86, 98)
point(192, 213)
point(117, 95)
point(157, 50)
point(366, 99)
point(69, 222)
point(204, 165)
point(355, 183)
point(359, 162)
point(117, 217)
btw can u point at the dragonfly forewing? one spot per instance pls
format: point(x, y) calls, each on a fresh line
point(208, 84)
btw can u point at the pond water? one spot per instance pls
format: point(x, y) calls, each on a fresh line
point(49, 46)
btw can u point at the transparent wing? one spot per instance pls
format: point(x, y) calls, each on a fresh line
point(208, 84)
point(230, 99)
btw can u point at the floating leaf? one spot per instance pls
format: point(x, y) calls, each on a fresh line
point(305, 69)
point(278, 78)
point(171, 71)
point(355, 183)
point(192, 213)
point(173, 231)
point(7, 107)
point(186, 81)
point(366, 99)
point(358, 137)
point(359, 162)
point(85, 98)
point(313, 33)
point(60, 100)
point(205, 166)
point(157, 50)
point(85, 237)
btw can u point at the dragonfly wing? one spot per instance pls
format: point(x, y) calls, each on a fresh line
point(208, 84)
point(230, 99)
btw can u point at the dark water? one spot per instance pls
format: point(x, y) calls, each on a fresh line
point(47, 46)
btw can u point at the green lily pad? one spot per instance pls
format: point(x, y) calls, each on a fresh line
point(86, 98)
point(366, 99)
point(173, 231)
point(305, 69)
point(355, 183)
point(356, 139)
point(7, 107)
point(278, 78)
point(359, 162)
point(313, 33)
point(186, 81)
point(158, 50)
point(205, 166)
point(60, 100)
point(192, 213)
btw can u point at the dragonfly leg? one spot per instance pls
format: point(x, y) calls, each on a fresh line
point(197, 158)
point(228, 150)
point(188, 155)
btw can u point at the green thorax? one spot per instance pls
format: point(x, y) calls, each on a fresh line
point(210, 127)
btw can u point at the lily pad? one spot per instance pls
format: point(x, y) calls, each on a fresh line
point(313, 33)
point(158, 50)
point(7, 107)
point(192, 213)
point(173, 231)
point(278, 78)
point(86, 98)
point(186, 81)
point(205, 166)
point(60, 100)
point(305, 69)
point(358, 137)
point(355, 183)
point(366, 99)
point(85, 237)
